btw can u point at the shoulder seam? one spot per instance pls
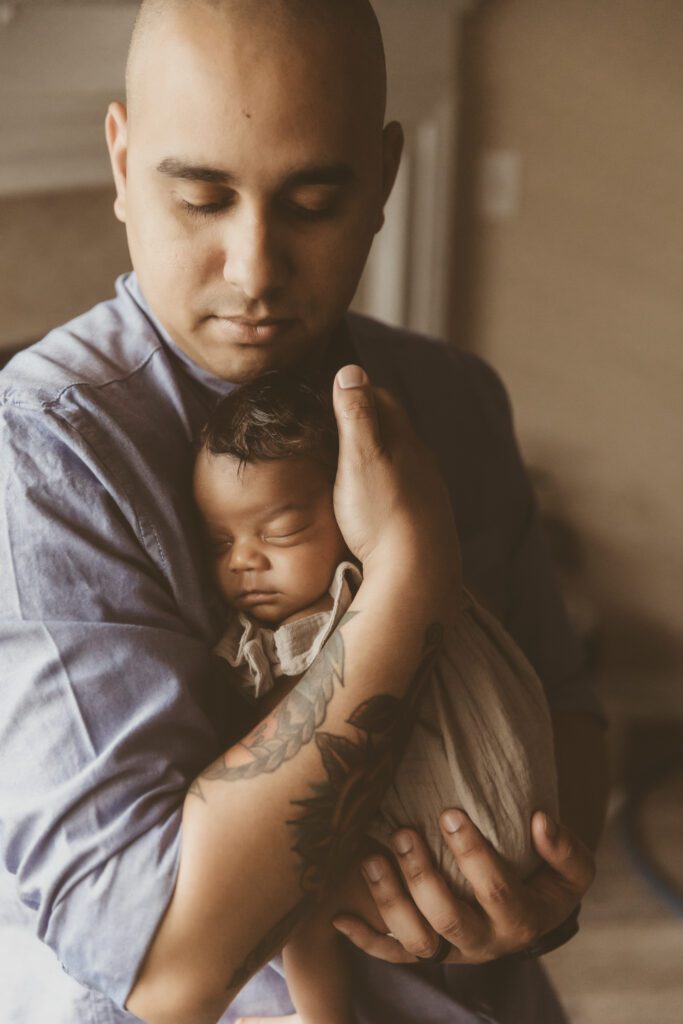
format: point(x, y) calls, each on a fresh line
point(9, 398)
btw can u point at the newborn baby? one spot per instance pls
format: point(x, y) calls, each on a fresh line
point(482, 737)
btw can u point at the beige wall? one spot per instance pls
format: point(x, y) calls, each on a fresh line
point(578, 300)
point(59, 254)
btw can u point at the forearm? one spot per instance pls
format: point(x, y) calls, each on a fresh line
point(318, 976)
point(580, 753)
point(283, 811)
point(317, 973)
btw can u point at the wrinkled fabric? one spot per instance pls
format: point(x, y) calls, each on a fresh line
point(260, 656)
point(111, 698)
point(482, 736)
point(482, 741)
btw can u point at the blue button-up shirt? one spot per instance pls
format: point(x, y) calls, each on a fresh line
point(110, 698)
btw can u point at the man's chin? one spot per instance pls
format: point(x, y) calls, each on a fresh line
point(240, 363)
point(240, 366)
point(243, 366)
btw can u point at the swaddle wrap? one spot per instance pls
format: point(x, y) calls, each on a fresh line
point(482, 739)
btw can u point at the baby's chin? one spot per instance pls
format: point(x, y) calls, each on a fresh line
point(275, 613)
point(323, 603)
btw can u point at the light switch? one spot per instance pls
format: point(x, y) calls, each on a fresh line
point(500, 181)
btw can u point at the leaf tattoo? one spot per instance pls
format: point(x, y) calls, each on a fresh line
point(292, 724)
point(358, 770)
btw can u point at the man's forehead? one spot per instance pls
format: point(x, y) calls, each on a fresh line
point(174, 43)
point(274, 123)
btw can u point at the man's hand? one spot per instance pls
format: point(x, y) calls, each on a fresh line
point(511, 914)
point(388, 493)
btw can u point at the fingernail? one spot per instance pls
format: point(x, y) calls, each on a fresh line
point(341, 927)
point(453, 821)
point(373, 870)
point(550, 827)
point(402, 842)
point(352, 377)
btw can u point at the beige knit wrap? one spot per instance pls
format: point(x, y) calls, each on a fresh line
point(482, 740)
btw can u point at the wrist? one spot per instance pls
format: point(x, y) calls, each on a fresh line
point(552, 940)
point(429, 569)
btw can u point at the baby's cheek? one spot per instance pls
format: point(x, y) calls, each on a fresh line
point(292, 568)
point(222, 576)
point(323, 561)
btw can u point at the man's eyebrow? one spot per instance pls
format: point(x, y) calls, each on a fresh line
point(172, 167)
point(339, 174)
point(325, 174)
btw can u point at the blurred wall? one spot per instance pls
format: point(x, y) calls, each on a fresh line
point(577, 298)
point(59, 254)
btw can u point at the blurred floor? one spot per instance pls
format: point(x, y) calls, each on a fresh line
point(626, 964)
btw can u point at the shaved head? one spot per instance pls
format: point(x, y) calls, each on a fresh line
point(351, 23)
point(252, 165)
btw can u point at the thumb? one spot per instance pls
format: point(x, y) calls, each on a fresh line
point(356, 410)
point(564, 852)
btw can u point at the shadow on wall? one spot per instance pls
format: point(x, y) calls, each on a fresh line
point(572, 292)
point(621, 641)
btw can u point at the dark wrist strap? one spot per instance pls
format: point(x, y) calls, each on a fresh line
point(551, 940)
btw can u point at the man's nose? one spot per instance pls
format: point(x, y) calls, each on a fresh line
point(255, 261)
point(247, 555)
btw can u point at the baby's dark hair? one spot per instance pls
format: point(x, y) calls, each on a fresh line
point(278, 416)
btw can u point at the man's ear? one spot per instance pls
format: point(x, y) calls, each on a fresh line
point(392, 148)
point(116, 128)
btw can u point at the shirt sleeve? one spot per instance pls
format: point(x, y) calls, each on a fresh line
point(533, 609)
point(102, 726)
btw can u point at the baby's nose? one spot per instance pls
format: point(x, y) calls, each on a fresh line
point(246, 555)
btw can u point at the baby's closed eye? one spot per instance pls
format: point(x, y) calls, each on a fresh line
point(290, 534)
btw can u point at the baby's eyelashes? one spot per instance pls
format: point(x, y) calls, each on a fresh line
point(290, 535)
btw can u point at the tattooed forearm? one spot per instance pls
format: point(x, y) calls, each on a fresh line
point(334, 818)
point(292, 724)
point(359, 770)
point(196, 790)
point(271, 943)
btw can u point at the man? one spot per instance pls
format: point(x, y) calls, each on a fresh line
point(252, 166)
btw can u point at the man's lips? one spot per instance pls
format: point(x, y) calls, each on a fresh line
point(245, 331)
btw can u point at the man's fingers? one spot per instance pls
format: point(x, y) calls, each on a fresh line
point(383, 947)
point(496, 888)
point(397, 909)
point(356, 410)
point(564, 852)
point(463, 926)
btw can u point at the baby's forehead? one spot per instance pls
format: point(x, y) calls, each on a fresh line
point(226, 487)
point(276, 474)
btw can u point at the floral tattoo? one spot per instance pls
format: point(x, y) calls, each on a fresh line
point(358, 769)
point(280, 736)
